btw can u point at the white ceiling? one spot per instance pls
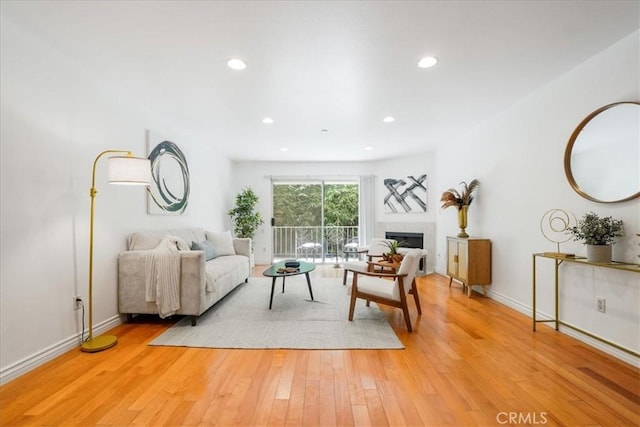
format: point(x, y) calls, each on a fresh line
point(339, 66)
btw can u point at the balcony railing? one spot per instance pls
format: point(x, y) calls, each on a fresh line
point(316, 243)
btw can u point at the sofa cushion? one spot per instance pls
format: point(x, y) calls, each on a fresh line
point(206, 246)
point(222, 242)
point(216, 269)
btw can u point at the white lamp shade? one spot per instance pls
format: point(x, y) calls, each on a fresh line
point(129, 170)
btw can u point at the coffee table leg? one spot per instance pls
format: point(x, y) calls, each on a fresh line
point(309, 285)
point(273, 285)
point(283, 277)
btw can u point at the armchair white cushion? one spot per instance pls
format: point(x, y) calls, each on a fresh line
point(422, 265)
point(377, 287)
point(377, 247)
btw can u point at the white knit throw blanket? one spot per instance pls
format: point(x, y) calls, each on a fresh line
point(162, 268)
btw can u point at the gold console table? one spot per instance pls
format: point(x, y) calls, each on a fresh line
point(559, 259)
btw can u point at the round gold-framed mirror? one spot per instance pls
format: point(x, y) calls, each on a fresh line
point(602, 158)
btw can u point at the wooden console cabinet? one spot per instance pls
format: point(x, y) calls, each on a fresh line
point(469, 262)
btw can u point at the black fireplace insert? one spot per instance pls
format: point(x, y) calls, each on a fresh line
point(408, 240)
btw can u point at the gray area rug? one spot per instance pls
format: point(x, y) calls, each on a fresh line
point(243, 320)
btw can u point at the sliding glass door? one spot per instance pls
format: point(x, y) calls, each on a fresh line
point(340, 218)
point(314, 220)
point(297, 220)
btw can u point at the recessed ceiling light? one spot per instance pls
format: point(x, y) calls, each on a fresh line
point(236, 64)
point(267, 120)
point(427, 62)
point(368, 148)
point(284, 149)
point(388, 119)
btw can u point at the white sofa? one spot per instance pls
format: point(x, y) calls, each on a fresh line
point(224, 272)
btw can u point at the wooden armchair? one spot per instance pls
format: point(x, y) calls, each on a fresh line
point(376, 248)
point(373, 286)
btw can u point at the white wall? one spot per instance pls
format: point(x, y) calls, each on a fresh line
point(55, 120)
point(518, 158)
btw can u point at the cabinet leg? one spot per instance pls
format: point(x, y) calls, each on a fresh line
point(468, 291)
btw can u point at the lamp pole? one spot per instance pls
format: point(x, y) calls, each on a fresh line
point(94, 344)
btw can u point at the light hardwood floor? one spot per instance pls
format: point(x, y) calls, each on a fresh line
point(470, 361)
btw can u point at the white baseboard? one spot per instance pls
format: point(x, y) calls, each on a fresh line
point(31, 362)
point(511, 303)
point(524, 309)
point(527, 310)
point(618, 354)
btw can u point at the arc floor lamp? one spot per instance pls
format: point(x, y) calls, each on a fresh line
point(122, 169)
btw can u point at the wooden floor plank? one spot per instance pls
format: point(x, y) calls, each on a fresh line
point(342, 400)
point(283, 391)
point(377, 414)
point(297, 399)
point(361, 416)
point(328, 416)
point(312, 403)
point(396, 404)
point(468, 362)
point(265, 391)
point(278, 415)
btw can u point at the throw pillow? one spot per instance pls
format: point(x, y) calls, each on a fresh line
point(207, 247)
point(223, 242)
point(181, 243)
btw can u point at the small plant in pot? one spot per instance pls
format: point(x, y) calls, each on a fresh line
point(598, 233)
point(393, 255)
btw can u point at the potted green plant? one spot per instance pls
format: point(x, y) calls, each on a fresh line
point(598, 233)
point(461, 200)
point(393, 255)
point(244, 216)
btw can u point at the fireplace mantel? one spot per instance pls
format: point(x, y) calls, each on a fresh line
point(428, 230)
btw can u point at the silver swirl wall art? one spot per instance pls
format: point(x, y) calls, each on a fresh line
point(169, 191)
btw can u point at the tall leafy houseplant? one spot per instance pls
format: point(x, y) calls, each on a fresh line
point(244, 215)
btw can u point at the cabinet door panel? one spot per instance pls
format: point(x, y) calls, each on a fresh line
point(452, 258)
point(463, 261)
point(480, 271)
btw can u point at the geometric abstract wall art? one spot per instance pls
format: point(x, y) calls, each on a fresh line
point(168, 193)
point(406, 195)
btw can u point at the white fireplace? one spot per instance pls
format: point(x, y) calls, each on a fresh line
point(427, 229)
